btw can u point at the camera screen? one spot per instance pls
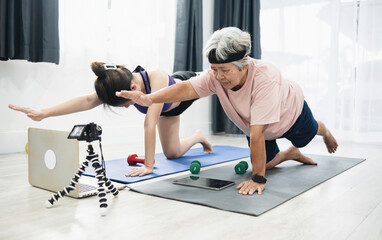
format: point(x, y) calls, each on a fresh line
point(76, 132)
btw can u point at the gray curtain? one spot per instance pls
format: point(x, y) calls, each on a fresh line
point(29, 30)
point(244, 14)
point(189, 36)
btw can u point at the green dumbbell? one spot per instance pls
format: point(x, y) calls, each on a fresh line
point(241, 167)
point(195, 167)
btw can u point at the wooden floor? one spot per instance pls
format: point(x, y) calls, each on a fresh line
point(348, 206)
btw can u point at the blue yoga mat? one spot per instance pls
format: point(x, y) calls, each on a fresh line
point(116, 169)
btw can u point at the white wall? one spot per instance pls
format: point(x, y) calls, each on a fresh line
point(40, 85)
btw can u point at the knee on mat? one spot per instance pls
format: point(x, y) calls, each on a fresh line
point(299, 145)
point(172, 154)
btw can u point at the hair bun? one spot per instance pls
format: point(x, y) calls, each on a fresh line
point(98, 68)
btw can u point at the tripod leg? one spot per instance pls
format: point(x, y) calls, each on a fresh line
point(49, 203)
point(101, 190)
point(111, 187)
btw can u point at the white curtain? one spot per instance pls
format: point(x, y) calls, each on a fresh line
point(130, 32)
point(333, 49)
point(133, 32)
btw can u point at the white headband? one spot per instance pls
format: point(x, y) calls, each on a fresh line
point(109, 66)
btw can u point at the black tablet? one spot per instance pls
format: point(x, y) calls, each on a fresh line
point(201, 182)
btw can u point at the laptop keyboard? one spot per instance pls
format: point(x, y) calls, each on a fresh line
point(86, 188)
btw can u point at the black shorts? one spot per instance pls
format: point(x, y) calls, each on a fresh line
point(300, 134)
point(182, 75)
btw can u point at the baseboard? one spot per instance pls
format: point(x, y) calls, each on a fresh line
point(13, 141)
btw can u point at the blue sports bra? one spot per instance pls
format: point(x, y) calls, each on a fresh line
point(146, 82)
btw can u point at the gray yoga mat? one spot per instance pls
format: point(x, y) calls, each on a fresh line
point(285, 181)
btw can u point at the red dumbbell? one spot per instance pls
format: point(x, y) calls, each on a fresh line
point(133, 159)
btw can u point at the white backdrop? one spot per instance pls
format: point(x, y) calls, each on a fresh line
point(333, 49)
point(134, 32)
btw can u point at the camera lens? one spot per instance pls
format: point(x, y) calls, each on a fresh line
point(99, 129)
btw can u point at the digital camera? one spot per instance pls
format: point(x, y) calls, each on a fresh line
point(86, 132)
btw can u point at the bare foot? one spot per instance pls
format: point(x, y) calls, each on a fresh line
point(294, 153)
point(330, 142)
point(207, 147)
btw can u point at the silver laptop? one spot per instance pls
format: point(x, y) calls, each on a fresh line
point(53, 159)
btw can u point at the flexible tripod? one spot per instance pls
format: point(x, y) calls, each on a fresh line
point(92, 158)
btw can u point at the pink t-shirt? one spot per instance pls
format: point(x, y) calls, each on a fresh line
point(265, 98)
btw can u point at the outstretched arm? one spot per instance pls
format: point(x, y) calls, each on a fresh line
point(176, 93)
point(78, 104)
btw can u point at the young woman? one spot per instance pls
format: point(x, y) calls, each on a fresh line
point(112, 78)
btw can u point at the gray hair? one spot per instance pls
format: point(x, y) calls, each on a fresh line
point(229, 40)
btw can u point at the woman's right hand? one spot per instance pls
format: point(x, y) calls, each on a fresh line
point(140, 171)
point(136, 96)
point(36, 115)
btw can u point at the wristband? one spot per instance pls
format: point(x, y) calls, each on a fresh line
point(258, 178)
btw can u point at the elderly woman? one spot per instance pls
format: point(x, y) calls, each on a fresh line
point(256, 97)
